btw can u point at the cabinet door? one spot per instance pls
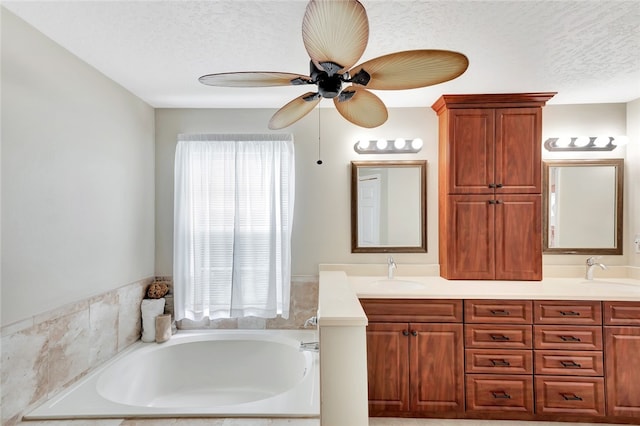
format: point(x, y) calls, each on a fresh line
point(388, 366)
point(622, 346)
point(471, 151)
point(518, 150)
point(437, 367)
point(470, 238)
point(518, 237)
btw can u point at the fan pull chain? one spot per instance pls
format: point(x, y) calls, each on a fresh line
point(319, 162)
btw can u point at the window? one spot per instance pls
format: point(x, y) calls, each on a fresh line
point(233, 213)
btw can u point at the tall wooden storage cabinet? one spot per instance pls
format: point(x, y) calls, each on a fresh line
point(490, 185)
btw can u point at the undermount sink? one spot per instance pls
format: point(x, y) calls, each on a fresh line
point(394, 285)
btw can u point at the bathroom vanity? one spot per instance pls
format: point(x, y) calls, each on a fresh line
point(556, 349)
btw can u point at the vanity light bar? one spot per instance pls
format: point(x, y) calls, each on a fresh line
point(584, 143)
point(388, 146)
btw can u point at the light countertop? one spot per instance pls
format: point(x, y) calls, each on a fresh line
point(434, 287)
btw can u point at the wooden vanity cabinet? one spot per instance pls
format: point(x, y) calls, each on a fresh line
point(490, 186)
point(622, 352)
point(569, 374)
point(499, 362)
point(414, 366)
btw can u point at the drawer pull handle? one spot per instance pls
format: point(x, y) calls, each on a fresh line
point(405, 332)
point(571, 397)
point(499, 312)
point(499, 338)
point(570, 313)
point(570, 364)
point(500, 363)
point(500, 395)
point(570, 339)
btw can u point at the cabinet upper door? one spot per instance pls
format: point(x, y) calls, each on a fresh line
point(470, 151)
point(492, 150)
point(518, 150)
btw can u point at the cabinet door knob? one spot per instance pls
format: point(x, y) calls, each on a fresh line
point(570, 364)
point(405, 332)
point(414, 333)
point(492, 185)
point(492, 201)
point(499, 185)
point(500, 395)
point(571, 397)
point(499, 337)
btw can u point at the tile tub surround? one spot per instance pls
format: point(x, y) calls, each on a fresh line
point(45, 353)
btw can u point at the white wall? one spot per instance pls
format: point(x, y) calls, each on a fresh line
point(322, 213)
point(632, 181)
point(321, 232)
point(77, 178)
point(588, 120)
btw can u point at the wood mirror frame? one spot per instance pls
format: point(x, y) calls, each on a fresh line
point(618, 165)
point(421, 204)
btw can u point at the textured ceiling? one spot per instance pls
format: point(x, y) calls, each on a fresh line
point(587, 51)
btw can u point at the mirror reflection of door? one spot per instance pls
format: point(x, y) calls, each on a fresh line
point(369, 211)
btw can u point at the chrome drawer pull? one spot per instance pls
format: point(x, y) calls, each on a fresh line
point(570, 313)
point(500, 395)
point(570, 364)
point(499, 337)
point(499, 312)
point(570, 338)
point(571, 397)
point(500, 363)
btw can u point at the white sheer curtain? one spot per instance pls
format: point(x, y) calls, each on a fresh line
point(233, 213)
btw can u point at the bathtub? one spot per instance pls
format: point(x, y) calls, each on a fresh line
point(203, 373)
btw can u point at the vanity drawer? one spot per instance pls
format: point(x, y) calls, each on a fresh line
point(622, 313)
point(569, 363)
point(412, 310)
point(498, 311)
point(499, 393)
point(511, 361)
point(499, 336)
point(578, 337)
point(564, 395)
point(567, 312)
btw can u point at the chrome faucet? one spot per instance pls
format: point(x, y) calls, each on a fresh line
point(591, 263)
point(310, 346)
point(391, 265)
point(313, 321)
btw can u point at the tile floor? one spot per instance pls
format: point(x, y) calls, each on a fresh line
point(294, 422)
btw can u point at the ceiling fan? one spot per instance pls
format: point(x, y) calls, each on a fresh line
point(335, 34)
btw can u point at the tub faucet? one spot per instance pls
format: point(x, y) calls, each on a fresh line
point(310, 346)
point(591, 263)
point(391, 265)
point(313, 321)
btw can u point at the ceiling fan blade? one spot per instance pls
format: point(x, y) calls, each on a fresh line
point(335, 31)
point(294, 110)
point(363, 108)
point(412, 69)
point(253, 79)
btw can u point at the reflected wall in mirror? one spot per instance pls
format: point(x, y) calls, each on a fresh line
point(388, 206)
point(582, 202)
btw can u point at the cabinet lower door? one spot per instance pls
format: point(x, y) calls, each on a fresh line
point(388, 366)
point(622, 346)
point(468, 238)
point(518, 232)
point(436, 367)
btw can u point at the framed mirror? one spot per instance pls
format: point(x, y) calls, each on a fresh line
point(582, 206)
point(388, 206)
